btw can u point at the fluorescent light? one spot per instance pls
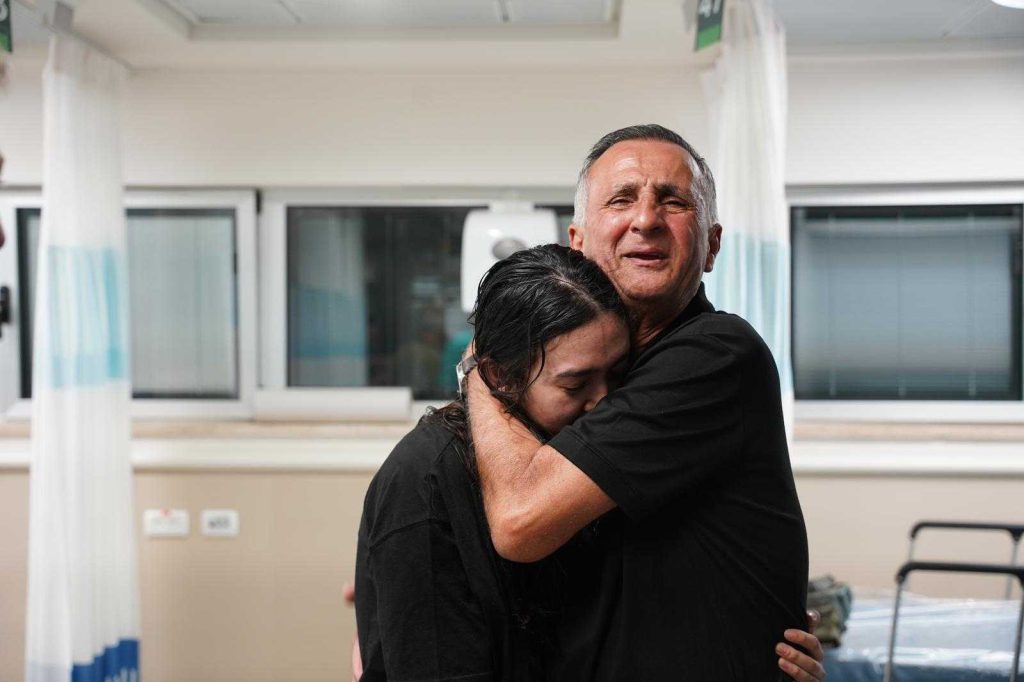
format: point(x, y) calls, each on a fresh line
point(1016, 4)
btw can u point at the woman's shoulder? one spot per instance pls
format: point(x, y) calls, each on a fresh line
point(401, 492)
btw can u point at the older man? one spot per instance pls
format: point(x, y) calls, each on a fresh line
point(703, 562)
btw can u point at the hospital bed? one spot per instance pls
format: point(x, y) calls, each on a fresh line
point(938, 640)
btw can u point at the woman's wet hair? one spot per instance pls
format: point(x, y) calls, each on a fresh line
point(523, 302)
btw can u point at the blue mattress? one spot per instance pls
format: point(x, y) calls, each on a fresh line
point(938, 640)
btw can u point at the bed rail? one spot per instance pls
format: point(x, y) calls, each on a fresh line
point(954, 567)
point(1015, 530)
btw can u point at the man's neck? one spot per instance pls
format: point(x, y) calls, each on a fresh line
point(649, 320)
point(652, 317)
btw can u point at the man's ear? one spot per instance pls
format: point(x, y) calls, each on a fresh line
point(714, 244)
point(575, 237)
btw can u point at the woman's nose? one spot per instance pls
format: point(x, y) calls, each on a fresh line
point(594, 398)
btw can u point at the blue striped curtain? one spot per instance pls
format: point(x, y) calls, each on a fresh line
point(82, 621)
point(746, 93)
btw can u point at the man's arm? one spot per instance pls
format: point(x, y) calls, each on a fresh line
point(535, 498)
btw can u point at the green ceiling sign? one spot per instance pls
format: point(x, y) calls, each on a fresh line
point(709, 22)
point(5, 26)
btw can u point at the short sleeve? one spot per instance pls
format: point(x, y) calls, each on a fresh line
point(429, 624)
point(675, 423)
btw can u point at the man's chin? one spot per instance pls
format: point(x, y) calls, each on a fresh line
point(648, 295)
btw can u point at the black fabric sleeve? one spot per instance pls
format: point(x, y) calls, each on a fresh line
point(430, 625)
point(676, 422)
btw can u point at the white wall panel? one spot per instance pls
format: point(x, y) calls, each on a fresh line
point(882, 121)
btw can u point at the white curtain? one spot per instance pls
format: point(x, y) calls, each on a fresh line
point(746, 94)
point(327, 290)
point(82, 619)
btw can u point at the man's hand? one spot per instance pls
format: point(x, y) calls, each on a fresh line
point(349, 592)
point(534, 498)
point(797, 664)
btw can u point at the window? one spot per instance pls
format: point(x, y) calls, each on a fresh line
point(364, 293)
point(907, 302)
point(373, 297)
point(192, 320)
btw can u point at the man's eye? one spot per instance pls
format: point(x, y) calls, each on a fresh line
point(573, 388)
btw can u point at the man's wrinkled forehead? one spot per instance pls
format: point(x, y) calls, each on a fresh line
point(625, 162)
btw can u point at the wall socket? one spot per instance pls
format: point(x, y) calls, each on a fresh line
point(219, 522)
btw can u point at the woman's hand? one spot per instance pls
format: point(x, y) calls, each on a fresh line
point(798, 665)
point(349, 591)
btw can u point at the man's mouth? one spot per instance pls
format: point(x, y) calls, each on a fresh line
point(646, 256)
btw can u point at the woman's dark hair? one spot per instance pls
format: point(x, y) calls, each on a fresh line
point(524, 301)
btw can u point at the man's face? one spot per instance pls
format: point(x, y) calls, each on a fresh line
point(641, 223)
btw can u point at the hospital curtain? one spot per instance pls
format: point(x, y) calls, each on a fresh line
point(327, 335)
point(746, 94)
point(82, 621)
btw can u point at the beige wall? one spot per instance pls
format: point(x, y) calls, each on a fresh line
point(268, 605)
point(264, 606)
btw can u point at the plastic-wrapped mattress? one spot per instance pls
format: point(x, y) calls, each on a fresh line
point(939, 640)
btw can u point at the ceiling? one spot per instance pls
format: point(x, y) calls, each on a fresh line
point(465, 35)
point(389, 14)
point(889, 21)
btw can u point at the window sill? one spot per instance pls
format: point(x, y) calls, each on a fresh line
point(819, 449)
point(807, 430)
point(147, 429)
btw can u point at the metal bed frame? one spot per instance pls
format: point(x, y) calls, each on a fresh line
point(1012, 570)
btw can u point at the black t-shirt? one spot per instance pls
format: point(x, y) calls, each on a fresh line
point(434, 601)
point(704, 564)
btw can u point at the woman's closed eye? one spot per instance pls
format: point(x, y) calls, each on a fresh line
point(574, 388)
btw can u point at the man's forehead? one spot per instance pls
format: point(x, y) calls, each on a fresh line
point(651, 160)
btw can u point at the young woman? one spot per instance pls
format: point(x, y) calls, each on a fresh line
point(434, 601)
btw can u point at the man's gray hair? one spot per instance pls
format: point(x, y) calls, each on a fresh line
point(703, 180)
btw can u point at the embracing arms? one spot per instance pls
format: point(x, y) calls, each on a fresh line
point(535, 499)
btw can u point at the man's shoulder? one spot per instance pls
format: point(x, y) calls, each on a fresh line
point(730, 333)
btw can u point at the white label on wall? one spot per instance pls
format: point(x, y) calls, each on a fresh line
point(165, 523)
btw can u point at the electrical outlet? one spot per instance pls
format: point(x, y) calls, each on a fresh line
point(220, 522)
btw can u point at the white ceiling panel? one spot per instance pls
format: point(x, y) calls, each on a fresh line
point(383, 14)
point(546, 12)
point(995, 22)
point(889, 21)
point(235, 12)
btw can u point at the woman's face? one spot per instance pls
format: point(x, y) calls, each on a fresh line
point(580, 368)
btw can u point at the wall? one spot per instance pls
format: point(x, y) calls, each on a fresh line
point(265, 606)
point(892, 120)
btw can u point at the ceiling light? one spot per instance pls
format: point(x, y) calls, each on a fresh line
point(1016, 4)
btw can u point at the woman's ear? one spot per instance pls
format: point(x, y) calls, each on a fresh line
point(490, 373)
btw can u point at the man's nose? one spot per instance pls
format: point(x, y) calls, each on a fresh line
point(646, 216)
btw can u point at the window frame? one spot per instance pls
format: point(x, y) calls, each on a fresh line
point(349, 403)
point(917, 411)
point(243, 203)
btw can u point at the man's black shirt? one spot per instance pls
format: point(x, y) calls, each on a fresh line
point(704, 564)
